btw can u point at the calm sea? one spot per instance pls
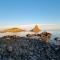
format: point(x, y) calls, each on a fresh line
point(54, 33)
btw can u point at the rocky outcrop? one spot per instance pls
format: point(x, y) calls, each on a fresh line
point(21, 48)
point(36, 29)
point(45, 36)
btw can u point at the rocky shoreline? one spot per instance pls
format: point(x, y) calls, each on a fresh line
point(23, 48)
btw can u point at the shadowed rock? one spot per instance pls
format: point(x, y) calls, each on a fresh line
point(27, 49)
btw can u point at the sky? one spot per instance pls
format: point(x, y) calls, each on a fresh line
point(25, 12)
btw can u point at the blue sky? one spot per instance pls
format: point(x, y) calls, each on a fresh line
point(19, 12)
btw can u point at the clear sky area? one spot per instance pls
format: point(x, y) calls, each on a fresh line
point(25, 12)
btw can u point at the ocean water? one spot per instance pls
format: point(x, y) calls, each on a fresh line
point(22, 34)
point(55, 33)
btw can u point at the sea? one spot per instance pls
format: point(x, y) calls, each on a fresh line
point(55, 33)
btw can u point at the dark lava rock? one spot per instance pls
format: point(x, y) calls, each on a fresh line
point(27, 49)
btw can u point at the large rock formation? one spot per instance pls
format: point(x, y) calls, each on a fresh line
point(36, 29)
point(45, 36)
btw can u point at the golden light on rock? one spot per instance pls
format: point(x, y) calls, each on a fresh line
point(36, 29)
point(14, 30)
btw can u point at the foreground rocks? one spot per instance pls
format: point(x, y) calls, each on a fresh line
point(45, 36)
point(21, 48)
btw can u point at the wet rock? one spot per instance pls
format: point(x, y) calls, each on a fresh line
point(9, 48)
point(28, 49)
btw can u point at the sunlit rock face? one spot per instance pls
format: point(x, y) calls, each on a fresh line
point(14, 30)
point(36, 29)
